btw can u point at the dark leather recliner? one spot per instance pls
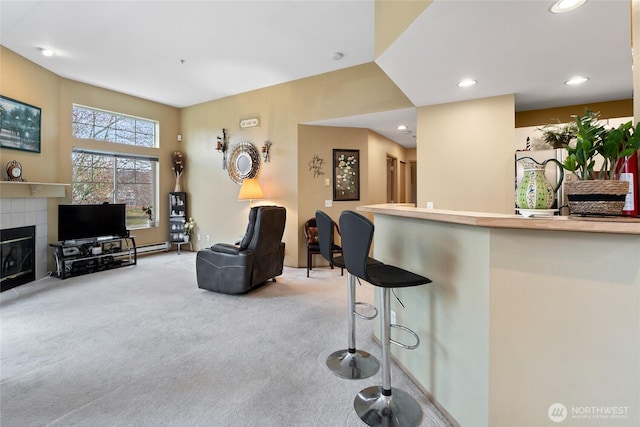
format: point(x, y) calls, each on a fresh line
point(237, 269)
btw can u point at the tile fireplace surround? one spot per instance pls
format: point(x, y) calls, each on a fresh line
point(21, 212)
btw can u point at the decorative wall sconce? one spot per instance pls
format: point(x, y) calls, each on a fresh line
point(222, 146)
point(265, 151)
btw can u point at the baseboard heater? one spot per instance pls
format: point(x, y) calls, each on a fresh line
point(154, 247)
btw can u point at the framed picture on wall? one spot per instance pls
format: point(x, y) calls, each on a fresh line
point(346, 174)
point(19, 125)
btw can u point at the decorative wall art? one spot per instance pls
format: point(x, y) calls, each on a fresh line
point(178, 168)
point(19, 125)
point(266, 148)
point(315, 165)
point(244, 162)
point(346, 175)
point(221, 146)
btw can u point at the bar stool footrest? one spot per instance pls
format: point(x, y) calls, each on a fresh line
point(399, 344)
point(362, 316)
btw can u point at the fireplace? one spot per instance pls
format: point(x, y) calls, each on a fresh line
point(17, 256)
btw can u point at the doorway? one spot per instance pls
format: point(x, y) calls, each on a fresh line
point(413, 170)
point(392, 181)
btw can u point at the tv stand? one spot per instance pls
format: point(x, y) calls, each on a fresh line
point(76, 257)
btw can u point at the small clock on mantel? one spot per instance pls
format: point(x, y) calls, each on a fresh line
point(14, 171)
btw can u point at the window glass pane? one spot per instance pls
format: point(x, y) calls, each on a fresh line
point(99, 178)
point(145, 140)
point(125, 137)
point(82, 130)
point(88, 123)
point(145, 127)
point(83, 116)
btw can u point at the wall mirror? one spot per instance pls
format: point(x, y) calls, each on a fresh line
point(244, 162)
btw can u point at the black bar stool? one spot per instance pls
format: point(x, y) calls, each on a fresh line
point(380, 405)
point(348, 363)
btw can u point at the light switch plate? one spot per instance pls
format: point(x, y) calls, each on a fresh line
point(327, 182)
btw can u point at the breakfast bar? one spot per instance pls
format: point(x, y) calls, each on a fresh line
point(525, 316)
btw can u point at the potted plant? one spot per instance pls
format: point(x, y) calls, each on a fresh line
point(557, 135)
point(599, 191)
point(189, 227)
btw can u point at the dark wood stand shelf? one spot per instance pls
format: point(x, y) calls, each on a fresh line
point(74, 258)
point(177, 218)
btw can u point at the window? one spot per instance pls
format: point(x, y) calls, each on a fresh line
point(100, 125)
point(115, 177)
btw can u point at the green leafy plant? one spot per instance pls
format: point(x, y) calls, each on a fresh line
point(557, 135)
point(593, 139)
point(620, 143)
point(189, 226)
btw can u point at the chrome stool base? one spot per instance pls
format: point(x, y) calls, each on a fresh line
point(398, 410)
point(352, 366)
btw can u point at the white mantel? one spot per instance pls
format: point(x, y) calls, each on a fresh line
point(14, 189)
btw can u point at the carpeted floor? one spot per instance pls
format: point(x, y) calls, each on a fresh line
point(143, 346)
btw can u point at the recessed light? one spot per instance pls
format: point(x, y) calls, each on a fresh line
point(45, 51)
point(562, 6)
point(574, 81)
point(467, 83)
point(402, 127)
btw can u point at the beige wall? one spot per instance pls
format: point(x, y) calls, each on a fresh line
point(379, 148)
point(465, 155)
point(25, 81)
point(72, 92)
point(282, 108)
point(320, 141)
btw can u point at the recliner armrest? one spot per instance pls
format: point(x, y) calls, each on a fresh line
point(226, 248)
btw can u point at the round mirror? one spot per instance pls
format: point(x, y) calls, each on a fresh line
point(244, 162)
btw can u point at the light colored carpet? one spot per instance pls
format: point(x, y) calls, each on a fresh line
point(144, 346)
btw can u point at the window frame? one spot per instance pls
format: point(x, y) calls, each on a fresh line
point(124, 142)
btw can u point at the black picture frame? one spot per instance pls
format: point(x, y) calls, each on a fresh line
point(346, 175)
point(19, 125)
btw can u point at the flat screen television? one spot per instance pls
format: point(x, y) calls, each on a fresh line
point(79, 222)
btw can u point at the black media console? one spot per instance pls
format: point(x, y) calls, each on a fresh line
point(77, 257)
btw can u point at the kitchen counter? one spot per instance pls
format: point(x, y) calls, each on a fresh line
point(522, 314)
point(623, 225)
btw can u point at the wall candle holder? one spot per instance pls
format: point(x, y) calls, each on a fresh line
point(265, 151)
point(222, 147)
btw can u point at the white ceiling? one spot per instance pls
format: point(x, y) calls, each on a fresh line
point(230, 47)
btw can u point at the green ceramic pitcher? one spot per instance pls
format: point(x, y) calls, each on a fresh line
point(534, 190)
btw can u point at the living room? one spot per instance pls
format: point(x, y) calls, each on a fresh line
point(286, 111)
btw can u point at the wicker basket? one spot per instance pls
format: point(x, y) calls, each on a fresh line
point(596, 197)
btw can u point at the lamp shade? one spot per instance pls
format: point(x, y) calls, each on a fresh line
point(250, 190)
